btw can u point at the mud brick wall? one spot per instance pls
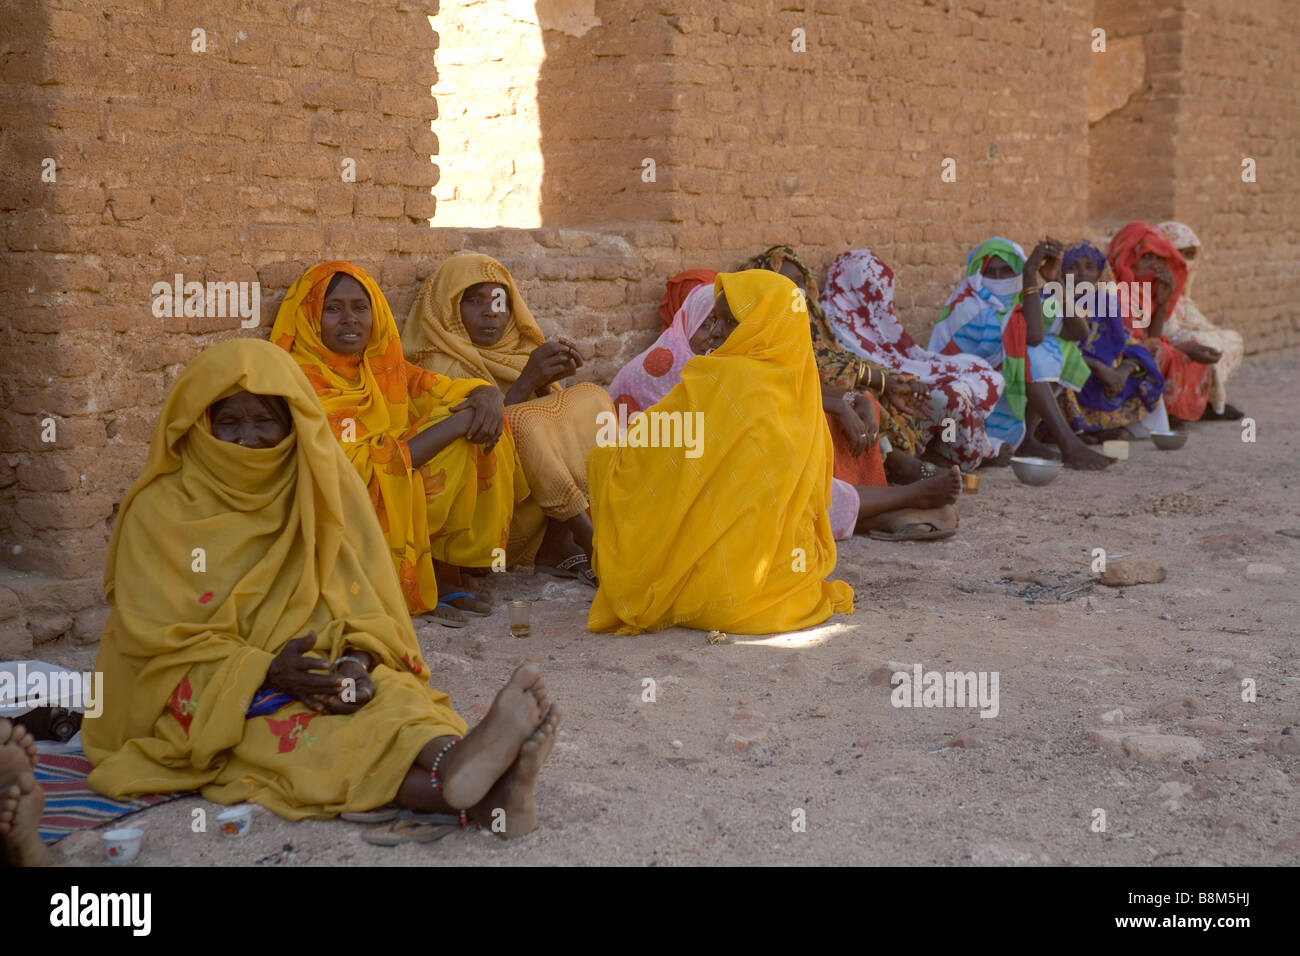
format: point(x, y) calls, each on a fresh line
point(843, 145)
point(1132, 150)
point(226, 165)
point(1241, 99)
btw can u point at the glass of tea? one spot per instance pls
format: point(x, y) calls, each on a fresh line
point(520, 611)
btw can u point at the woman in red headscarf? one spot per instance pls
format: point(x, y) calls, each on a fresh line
point(1140, 253)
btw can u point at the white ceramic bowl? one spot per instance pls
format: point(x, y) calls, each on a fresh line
point(1035, 471)
point(122, 846)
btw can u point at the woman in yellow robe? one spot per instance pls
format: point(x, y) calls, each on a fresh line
point(734, 536)
point(247, 541)
point(470, 320)
point(442, 473)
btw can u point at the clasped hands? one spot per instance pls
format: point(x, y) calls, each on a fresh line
point(343, 687)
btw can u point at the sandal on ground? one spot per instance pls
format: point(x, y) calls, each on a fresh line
point(382, 814)
point(411, 829)
point(565, 570)
point(917, 531)
point(1230, 413)
point(438, 614)
point(448, 598)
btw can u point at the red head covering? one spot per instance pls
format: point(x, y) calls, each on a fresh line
point(679, 287)
point(1130, 244)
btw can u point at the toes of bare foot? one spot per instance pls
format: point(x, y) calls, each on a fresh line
point(1085, 459)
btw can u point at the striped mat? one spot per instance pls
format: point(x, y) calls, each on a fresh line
point(70, 804)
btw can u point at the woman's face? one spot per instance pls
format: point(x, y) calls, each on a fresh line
point(1084, 270)
point(791, 272)
point(345, 320)
point(485, 312)
point(716, 328)
point(995, 267)
point(1188, 253)
point(1151, 264)
point(244, 419)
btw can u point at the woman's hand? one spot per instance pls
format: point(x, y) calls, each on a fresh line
point(294, 673)
point(356, 690)
point(908, 395)
point(1113, 379)
point(1201, 354)
point(549, 362)
point(858, 419)
point(487, 411)
point(1044, 261)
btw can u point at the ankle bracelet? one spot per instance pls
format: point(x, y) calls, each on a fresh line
point(436, 782)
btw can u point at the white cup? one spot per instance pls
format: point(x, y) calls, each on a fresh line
point(235, 822)
point(122, 846)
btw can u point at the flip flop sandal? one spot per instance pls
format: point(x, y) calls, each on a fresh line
point(383, 814)
point(405, 830)
point(906, 533)
point(564, 570)
point(446, 599)
point(448, 621)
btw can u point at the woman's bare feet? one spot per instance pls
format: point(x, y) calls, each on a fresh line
point(1033, 448)
point(902, 468)
point(18, 735)
point(1001, 460)
point(21, 799)
point(487, 752)
point(515, 792)
point(937, 491)
point(1080, 457)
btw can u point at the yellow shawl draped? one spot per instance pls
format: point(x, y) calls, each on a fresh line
point(435, 338)
point(376, 402)
point(220, 555)
point(737, 539)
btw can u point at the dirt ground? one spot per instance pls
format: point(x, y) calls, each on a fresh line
point(1122, 700)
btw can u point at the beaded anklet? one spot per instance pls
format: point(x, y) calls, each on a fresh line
point(437, 784)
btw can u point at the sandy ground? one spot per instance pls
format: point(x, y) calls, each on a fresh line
point(743, 735)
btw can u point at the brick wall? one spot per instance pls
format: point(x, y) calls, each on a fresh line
point(1132, 150)
point(842, 146)
point(227, 165)
point(1241, 99)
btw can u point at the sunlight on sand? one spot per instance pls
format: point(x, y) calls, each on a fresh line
point(812, 637)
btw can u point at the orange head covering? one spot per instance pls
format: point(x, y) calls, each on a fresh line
point(679, 287)
point(1131, 243)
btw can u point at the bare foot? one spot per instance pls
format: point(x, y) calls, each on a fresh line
point(1001, 460)
point(1080, 457)
point(21, 803)
point(17, 734)
point(1033, 448)
point(937, 491)
point(902, 468)
point(486, 753)
point(514, 793)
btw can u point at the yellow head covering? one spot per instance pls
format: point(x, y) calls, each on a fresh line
point(739, 538)
point(435, 337)
point(221, 554)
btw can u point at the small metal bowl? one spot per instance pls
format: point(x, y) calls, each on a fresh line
point(1169, 441)
point(1035, 471)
